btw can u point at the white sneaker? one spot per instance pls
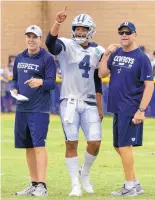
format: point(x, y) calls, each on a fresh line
point(125, 192)
point(28, 191)
point(76, 191)
point(40, 191)
point(139, 189)
point(88, 187)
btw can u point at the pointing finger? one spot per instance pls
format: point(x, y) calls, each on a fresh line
point(65, 8)
point(27, 82)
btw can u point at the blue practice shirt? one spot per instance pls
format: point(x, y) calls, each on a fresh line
point(128, 70)
point(41, 66)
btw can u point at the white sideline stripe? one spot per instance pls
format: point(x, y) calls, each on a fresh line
point(107, 152)
point(135, 153)
point(5, 141)
point(13, 158)
point(139, 154)
point(93, 178)
point(118, 173)
point(2, 174)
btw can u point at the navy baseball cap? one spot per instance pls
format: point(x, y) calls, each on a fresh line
point(130, 25)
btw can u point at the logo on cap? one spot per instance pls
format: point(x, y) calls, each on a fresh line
point(34, 29)
point(130, 25)
point(126, 23)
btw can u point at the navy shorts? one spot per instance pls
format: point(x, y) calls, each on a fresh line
point(125, 132)
point(31, 129)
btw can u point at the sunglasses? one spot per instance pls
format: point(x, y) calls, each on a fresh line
point(125, 32)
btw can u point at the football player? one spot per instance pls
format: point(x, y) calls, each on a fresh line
point(81, 94)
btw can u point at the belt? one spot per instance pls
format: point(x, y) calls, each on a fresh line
point(88, 102)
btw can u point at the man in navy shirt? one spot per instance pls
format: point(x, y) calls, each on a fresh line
point(34, 76)
point(130, 91)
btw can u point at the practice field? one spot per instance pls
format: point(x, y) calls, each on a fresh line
point(106, 173)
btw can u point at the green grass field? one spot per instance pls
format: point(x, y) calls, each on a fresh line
point(106, 173)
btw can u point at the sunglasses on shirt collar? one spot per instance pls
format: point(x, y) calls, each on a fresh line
point(125, 32)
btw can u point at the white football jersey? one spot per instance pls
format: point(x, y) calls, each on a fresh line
point(77, 66)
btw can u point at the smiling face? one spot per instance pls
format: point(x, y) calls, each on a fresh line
point(33, 43)
point(81, 35)
point(127, 37)
point(81, 31)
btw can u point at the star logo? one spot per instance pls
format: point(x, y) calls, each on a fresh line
point(32, 28)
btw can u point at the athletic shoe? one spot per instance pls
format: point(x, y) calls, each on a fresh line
point(139, 189)
point(125, 192)
point(76, 191)
point(88, 187)
point(28, 191)
point(40, 191)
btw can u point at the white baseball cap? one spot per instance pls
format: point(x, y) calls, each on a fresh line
point(34, 29)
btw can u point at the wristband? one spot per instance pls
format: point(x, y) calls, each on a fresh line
point(58, 22)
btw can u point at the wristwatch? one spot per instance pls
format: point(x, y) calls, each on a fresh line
point(142, 109)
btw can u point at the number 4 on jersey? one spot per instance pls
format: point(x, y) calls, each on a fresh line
point(84, 64)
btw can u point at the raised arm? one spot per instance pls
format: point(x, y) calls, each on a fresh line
point(53, 44)
point(60, 18)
